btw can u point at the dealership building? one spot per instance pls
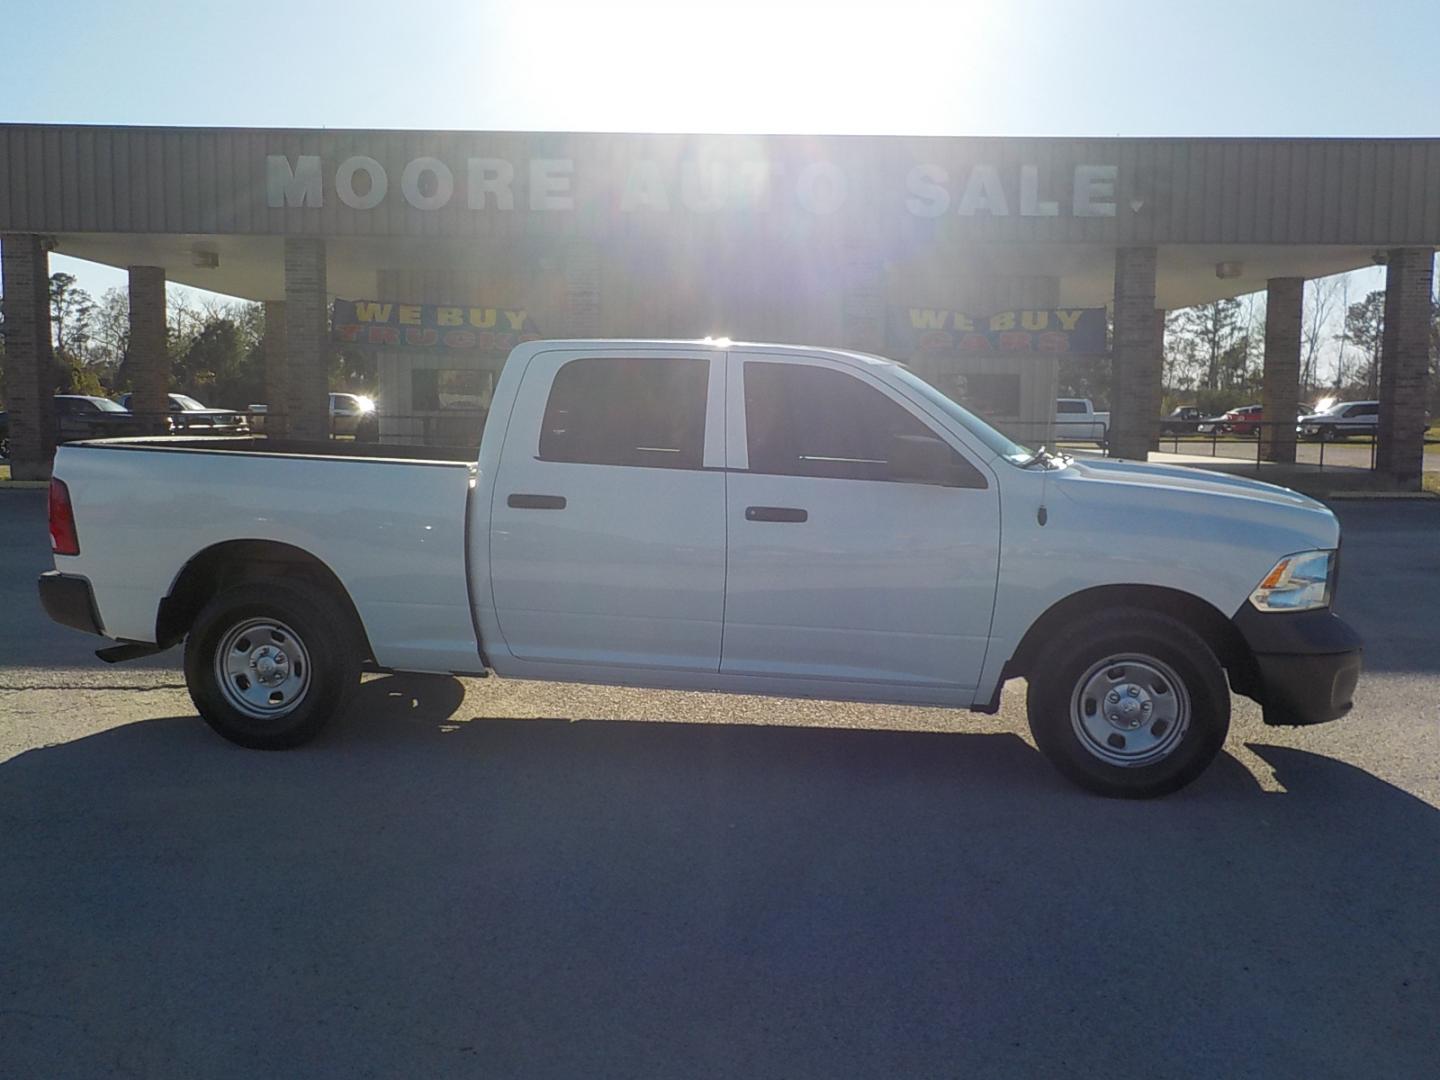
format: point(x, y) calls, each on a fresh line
point(979, 261)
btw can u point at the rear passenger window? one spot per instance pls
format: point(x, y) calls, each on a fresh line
point(646, 411)
point(802, 420)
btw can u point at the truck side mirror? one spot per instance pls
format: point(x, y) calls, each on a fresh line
point(922, 459)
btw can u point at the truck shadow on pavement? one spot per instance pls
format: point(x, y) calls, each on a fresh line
point(425, 895)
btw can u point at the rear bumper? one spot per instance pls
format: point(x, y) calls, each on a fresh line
point(69, 600)
point(1307, 663)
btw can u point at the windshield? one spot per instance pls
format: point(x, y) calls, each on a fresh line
point(106, 405)
point(189, 404)
point(993, 440)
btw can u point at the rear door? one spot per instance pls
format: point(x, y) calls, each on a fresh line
point(607, 541)
point(69, 421)
point(836, 570)
point(1362, 418)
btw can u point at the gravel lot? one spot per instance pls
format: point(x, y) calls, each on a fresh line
point(512, 879)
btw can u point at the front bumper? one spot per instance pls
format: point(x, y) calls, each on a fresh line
point(69, 600)
point(1307, 664)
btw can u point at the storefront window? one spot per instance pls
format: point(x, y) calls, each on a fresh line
point(438, 389)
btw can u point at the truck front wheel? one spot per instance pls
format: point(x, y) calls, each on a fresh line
point(269, 662)
point(1130, 705)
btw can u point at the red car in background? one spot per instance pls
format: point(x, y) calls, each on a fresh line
point(1242, 421)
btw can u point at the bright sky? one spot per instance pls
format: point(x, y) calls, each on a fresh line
point(1021, 67)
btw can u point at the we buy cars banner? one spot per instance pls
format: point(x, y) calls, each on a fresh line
point(935, 331)
point(487, 330)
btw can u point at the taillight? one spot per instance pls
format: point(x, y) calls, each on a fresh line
point(63, 538)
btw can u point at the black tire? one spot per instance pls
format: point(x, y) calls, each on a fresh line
point(1078, 655)
point(1328, 434)
point(322, 681)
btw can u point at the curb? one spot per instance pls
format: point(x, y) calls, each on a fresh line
point(1373, 496)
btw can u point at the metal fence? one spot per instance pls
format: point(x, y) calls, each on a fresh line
point(1265, 443)
point(1261, 444)
point(455, 428)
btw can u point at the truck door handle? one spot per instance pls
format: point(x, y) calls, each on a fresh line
point(776, 513)
point(520, 501)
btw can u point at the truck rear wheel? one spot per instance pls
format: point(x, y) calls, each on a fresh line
point(268, 663)
point(1131, 705)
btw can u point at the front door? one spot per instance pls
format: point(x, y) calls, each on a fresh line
point(607, 542)
point(837, 571)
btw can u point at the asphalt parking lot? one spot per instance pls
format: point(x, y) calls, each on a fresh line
point(511, 879)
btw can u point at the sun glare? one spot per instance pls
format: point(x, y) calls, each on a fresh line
point(713, 67)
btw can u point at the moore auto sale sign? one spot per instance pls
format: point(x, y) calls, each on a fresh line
point(691, 179)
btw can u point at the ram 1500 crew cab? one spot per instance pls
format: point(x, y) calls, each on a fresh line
point(713, 516)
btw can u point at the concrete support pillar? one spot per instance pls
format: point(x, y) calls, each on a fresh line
point(863, 302)
point(307, 341)
point(1135, 354)
point(1157, 385)
point(582, 290)
point(1280, 379)
point(148, 357)
point(273, 346)
point(1404, 364)
point(29, 366)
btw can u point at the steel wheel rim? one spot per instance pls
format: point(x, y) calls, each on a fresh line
point(1130, 710)
point(262, 668)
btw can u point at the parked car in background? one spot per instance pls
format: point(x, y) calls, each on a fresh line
point(1242, 421)
point(843, 542)
point(1341, 419)
point(1185, 420)
point(1077, 420)
point(80, 416)
point(350, 414)
point(187, 414)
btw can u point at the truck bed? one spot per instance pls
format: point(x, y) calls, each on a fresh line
point(387, 521)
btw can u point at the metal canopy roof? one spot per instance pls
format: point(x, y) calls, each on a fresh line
point(213, 205)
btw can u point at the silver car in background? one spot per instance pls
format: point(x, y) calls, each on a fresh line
point(1341, 419)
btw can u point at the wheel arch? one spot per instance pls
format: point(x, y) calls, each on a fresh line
point(1217, 630)
point(233, 562)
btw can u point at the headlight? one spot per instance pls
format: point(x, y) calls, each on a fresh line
point(1300, 582)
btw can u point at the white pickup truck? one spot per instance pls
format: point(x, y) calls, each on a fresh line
point(714, 516)
point(1077, 421)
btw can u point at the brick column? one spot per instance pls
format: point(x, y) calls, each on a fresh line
point(29, 365)
point(1157, 384)
point(1404, 364)
point(148, 357)
point(1135, 355)
point(307, 340)
point(863, 302)
point(273, 346)
point(582, 291)
point(1280, 379)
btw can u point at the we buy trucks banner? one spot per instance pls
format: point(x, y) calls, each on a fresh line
point(489, 330)
point(937, 332)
